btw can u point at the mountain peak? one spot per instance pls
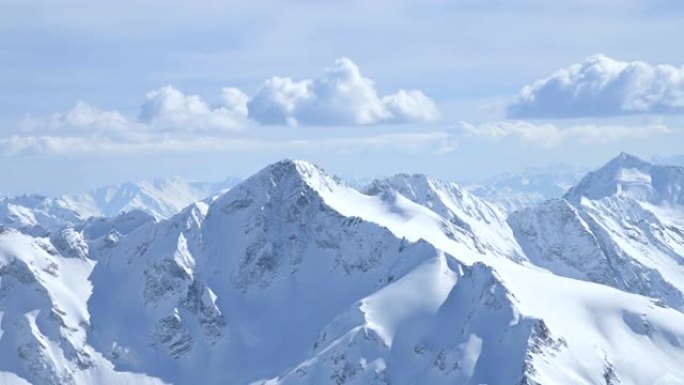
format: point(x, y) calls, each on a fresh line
point(625, 174)
point(625, 159)
point(285, 179)
point(630, 176)
point(293, 171)
point(288, 165)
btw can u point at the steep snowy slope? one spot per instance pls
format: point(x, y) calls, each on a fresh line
point(622, 225)
point(36, 214)
point(44, 319)
point(514, 191)
point(449, 324)
point(469, 220)
point(161, 198)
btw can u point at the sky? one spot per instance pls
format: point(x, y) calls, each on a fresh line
point(96, 93)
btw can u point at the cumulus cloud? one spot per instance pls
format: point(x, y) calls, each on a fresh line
point(342, 95)
point(276, 101)
point(409, 106)
point(549, 135)
point(169, 108)
point(81, 117)
point(235, 100)
point(164, 110)
point(601, 86)
point(170, 120)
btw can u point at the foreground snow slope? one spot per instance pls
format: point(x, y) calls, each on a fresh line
point(292, 277)
point(479, 325)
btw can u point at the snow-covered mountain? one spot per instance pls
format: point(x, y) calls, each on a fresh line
point(161, 198)
point(514, 191)
point(469, 220)
point(36, 214)
point(293, 277)
point(44, 314)
point(622, 225)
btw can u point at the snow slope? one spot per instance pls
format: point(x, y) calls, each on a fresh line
point(44, 319)
point(293, 277)
point(479, 325)
point(36, 214)
point(467, 218)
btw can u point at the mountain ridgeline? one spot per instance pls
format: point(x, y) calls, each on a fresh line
point(293, 277)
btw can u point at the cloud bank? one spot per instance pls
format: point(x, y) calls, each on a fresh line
point(601, 86)
point(81, 117)
point(548, 135)
point(341, 96)
point(171, 120)
point(433, 141)
point(169, 108)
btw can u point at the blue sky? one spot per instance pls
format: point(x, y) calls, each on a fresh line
point(103, 92)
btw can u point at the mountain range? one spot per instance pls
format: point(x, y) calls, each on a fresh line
point(160, 198)
point(514, 191)
point(293, 277)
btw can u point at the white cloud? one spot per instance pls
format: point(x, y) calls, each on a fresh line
point(549, 135)
point(438, 141)
point(169, 108)
point(407, 106)
point(341, 96)
point(171, 121)
point(601, 86)
point(81, 117)
point(235, 100)
point(164, 110)
point(277, 100)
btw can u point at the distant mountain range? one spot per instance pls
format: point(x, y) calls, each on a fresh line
point(162, 198)
point(293, 277)
point(514, 191)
